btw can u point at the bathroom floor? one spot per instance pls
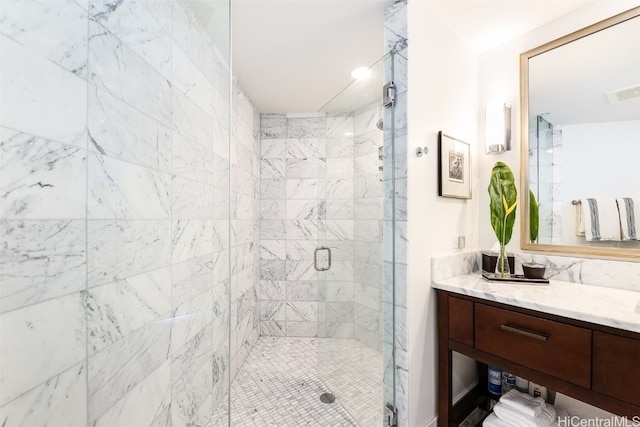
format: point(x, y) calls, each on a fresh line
point(282, 379)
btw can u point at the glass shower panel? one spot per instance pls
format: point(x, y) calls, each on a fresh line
point(350, 308)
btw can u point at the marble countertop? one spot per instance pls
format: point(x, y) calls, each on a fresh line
point(604, 306)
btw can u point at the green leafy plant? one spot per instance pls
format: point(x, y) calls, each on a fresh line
point(503, 200)
point(534, 217)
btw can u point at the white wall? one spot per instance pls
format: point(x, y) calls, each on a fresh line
point(443, 96)
point(586, 176)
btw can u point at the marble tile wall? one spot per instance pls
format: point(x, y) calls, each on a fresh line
point(117, 260)
point(321, 186)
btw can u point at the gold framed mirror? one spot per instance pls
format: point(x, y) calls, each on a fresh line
point(580, 136)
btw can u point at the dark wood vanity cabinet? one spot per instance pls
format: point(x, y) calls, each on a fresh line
point(593, 363)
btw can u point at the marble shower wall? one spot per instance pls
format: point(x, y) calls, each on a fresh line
point(115, 213)
point(313, 168)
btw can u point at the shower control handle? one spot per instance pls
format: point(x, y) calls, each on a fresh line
point(315, 258)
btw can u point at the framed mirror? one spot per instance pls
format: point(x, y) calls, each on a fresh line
point(580, 125)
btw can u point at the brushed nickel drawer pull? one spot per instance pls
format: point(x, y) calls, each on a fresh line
point(516, 330)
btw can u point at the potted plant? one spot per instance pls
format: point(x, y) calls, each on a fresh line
point(503, 197)
point(533, 270)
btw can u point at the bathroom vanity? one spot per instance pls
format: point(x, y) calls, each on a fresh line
point(580, 340)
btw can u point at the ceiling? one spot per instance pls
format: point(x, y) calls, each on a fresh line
point(295, 55)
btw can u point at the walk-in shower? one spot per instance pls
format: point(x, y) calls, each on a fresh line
point(164, 246)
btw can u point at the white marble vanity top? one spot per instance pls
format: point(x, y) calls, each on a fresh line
point(604, 306)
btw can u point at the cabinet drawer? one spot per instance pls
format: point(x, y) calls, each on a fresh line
point(461, 320)
point(616, 367)
point(557, 349)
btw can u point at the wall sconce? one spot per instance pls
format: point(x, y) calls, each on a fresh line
point(497, 128)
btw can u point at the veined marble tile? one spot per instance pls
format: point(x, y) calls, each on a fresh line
point(191, 239)
point(191, 159)
point(337, 229)
point(191, 397)
point(190, 81)
point(272, 249)
point(272, 209)
point(367, 164)
point(272, 290)
point(119, 130)
point(273, 189)
point(60, 400)
point(39, 342)
point(121, 367)
point(339, 167)
point(40, 178)
point(40, 260)
point(121, 249)
point(300, 249)
point(306, 148)
point(189, 34)
point(368, 252)
point(304, 209)
point(116, 309)
point(339, 126)
point(191, 199)
point(273, 126)
point(341, 312)
point(368, 230)
point(302, 311)
point(339, 291)
point(306, 168)
point(302, 269)
point(368, 208)
point(132, 23)
point(121, 190)
point(56, 31)
point(306, 127)
point(273, 148)
point(395, 26)
point(302, 188)
point(336, 188)
point(306, 290)
point(142, 404)
point(272, 310)
point(367, 295)
point(31, 86)
point(302, 329)
point(190, 357)
point(272, 328)
point(340, 209)
point(191, 278)
point(119, 71)
point(339, 271)
point(272, 270)
point(302, 229)
point(272, 229)
point(272, 169)
point(189, 319)
point(340, 147)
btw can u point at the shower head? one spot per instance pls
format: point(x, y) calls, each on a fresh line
point(380, 124)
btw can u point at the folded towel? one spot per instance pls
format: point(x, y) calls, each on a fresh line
point(629, 215)
point(522, 402)
point(601, 219)
point(516, 418)
point(579, 221)
point(493, 421)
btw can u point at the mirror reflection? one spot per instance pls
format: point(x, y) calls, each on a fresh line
point(584, 139)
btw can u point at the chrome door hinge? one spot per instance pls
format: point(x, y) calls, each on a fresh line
point(390, 416)
point(389, 94)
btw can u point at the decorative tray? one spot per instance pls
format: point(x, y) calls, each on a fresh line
point(519, 278)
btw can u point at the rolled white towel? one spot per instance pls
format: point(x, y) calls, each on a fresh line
point(516, 418)
point(493, 421)
point(629, 218)
point(522, 402)
point(601, 219)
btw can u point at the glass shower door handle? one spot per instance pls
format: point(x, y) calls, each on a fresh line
point(315, 258)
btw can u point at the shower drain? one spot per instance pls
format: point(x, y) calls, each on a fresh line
point(327, 398)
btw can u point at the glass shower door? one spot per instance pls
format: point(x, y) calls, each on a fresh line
point(351, 308)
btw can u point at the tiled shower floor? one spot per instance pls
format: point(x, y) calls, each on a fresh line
point(282, 379)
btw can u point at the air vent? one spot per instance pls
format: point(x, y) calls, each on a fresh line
point(623, 94)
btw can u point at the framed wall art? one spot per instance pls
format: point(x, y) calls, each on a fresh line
point(454, 167)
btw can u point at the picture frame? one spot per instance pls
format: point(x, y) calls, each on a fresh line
point(454, 167)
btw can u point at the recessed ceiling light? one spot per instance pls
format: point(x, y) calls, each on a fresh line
point(361, 73)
